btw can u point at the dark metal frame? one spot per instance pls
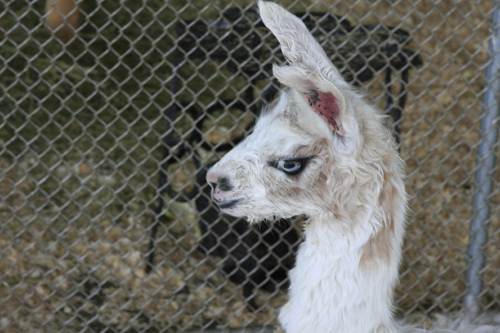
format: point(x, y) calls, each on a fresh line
point(203, 46)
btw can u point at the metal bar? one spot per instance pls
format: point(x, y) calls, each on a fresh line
point(481, 206)
point(396, 112)
point(162, 181)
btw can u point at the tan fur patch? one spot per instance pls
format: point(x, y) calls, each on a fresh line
point(295, 188)
point(381, 244)
point(311, 150)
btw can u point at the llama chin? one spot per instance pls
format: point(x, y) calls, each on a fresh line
point(322, 151)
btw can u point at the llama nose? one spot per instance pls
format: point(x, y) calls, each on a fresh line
point(221, 190)
point(219, 182)
point(221, 185)
point(224, 184)
point(212, 177)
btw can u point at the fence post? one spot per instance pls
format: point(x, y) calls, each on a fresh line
point(483, 184)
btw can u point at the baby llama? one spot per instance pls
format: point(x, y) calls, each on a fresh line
point(320, 150)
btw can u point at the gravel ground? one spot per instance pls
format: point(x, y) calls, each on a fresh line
point(80, 158)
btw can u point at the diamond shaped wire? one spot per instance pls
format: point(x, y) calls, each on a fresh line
point(88, 107)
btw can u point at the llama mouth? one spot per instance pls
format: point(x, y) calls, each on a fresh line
point(228, 203)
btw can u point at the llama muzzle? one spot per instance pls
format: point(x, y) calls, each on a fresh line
point(222, 190)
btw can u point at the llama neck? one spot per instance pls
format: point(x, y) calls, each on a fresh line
point(335, 286)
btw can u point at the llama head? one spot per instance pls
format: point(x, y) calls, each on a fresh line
point(316, 148)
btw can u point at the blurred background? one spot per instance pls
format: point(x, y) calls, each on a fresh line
point(110, 112)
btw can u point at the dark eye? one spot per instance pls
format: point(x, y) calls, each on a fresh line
point(291, 166)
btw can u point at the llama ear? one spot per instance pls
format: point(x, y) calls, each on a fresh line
point(323, 97)
point(311, 72)
point(297, 44)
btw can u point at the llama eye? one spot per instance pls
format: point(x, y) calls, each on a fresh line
point(291, 167)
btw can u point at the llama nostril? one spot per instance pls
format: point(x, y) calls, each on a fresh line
point(224, 184)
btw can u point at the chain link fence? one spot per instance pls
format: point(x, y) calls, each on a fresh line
point(111, 112)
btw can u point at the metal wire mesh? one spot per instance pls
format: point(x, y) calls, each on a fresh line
point(98, 97)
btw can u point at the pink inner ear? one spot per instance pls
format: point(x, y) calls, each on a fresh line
point(325, 105)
